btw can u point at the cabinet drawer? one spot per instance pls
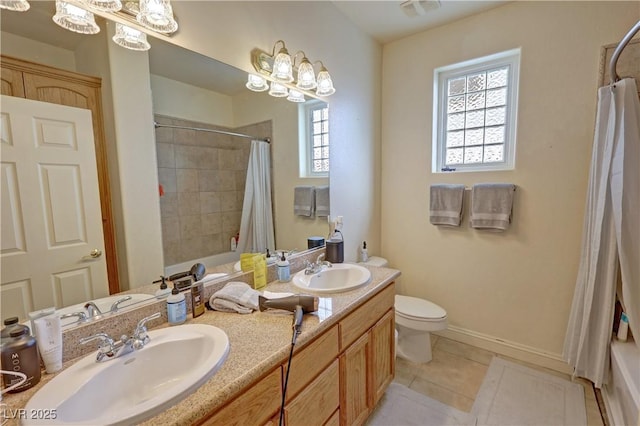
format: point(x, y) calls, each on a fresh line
point(358, 322)
point(255, 406)
point(319, 400)
point(311, 360)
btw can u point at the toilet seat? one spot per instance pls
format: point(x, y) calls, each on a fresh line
point(417, 309)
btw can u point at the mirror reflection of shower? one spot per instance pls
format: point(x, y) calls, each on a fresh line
point(202, 172)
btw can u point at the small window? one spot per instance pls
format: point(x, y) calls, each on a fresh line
point(474, 118)
point(314, 139)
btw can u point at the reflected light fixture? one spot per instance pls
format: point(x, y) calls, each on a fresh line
point(130, 38)
point(295, 96)
point(75, 19)
point(15, 5)
point(104, 5)
point(157, 15)
point(257, 83)
point(278, 90)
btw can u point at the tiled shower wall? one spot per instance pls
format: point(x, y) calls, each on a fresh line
point(202, 175)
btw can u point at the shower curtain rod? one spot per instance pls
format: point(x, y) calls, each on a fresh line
point(222, 132)
point(613, 76)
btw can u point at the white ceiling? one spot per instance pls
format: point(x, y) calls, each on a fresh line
point(386, 21)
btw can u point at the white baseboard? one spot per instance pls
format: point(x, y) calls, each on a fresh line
point(515, 350)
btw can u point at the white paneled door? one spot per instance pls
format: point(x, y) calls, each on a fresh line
point(50, 221)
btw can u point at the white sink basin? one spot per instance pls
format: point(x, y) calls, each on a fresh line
point(136, 386)
point(339, 277)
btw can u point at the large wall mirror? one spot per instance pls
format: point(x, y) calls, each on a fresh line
point(202, 174)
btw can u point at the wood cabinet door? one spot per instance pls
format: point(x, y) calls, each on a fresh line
point(354, 383)
point(382, 355)
point(11, 83)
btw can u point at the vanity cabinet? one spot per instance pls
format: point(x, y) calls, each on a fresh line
point(39, 82)
point(337, 379)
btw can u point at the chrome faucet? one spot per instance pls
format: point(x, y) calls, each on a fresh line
point(319, 265)
point(92, 309)
point(110, 349)
point(116, 304)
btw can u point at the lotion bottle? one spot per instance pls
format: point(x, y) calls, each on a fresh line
point(176, 307)
point(364, 255)
point(163, 291)
point(284, 270)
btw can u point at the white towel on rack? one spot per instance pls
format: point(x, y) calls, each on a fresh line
point(304, 201)
point(322, 201)
point(491, 205)
point(446, 204)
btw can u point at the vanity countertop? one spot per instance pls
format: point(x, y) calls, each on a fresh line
point(258, 343)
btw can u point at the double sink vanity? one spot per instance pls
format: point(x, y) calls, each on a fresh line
point(226, 368)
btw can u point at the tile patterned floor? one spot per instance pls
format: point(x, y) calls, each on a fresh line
point(456, 371)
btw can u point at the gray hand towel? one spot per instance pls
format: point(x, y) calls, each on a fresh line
point(303, 200)
point(491, 205)
point(322, 201)
point(446, 204)
point(235, 297)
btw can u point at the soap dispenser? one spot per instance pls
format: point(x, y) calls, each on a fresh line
point(163, 291)
point(283, 269)
point(176, 307)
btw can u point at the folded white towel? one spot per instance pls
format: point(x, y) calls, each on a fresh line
point(446, 204)
point(235, 297)
point(491, 205)
point(303, 200)
point(322, 201)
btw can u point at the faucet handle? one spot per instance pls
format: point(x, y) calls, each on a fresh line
point(140, 333)
point(106, 346)
point(115, 306)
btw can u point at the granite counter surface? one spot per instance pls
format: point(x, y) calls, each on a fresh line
point(259, 342)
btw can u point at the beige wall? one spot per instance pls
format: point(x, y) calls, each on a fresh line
point(324, 33)
point(515, 288)
point(42, 53)
point(180, 100)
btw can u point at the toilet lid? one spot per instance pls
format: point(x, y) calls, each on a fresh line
point(418, 308)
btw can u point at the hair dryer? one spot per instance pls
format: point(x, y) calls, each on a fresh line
point(198, 272)
point(298, 304)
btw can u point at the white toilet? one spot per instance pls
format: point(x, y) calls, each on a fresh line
point(415, 319)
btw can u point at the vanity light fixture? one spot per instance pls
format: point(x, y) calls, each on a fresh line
point(15, 5)
point(105, 5)
point(74, 18)
point(278, 69)
point(130, 38)
point(134, 20)
point(157, 15)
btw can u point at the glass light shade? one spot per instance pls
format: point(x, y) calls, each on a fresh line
point(15, 5)
point(278, 90)
point(306, 76)
point(130, 38)
point(256, 83)
point(282, 68)
point(325, 85)
point(157, 15)
point(295, 96)
point(75, 19)
point(105, 5)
